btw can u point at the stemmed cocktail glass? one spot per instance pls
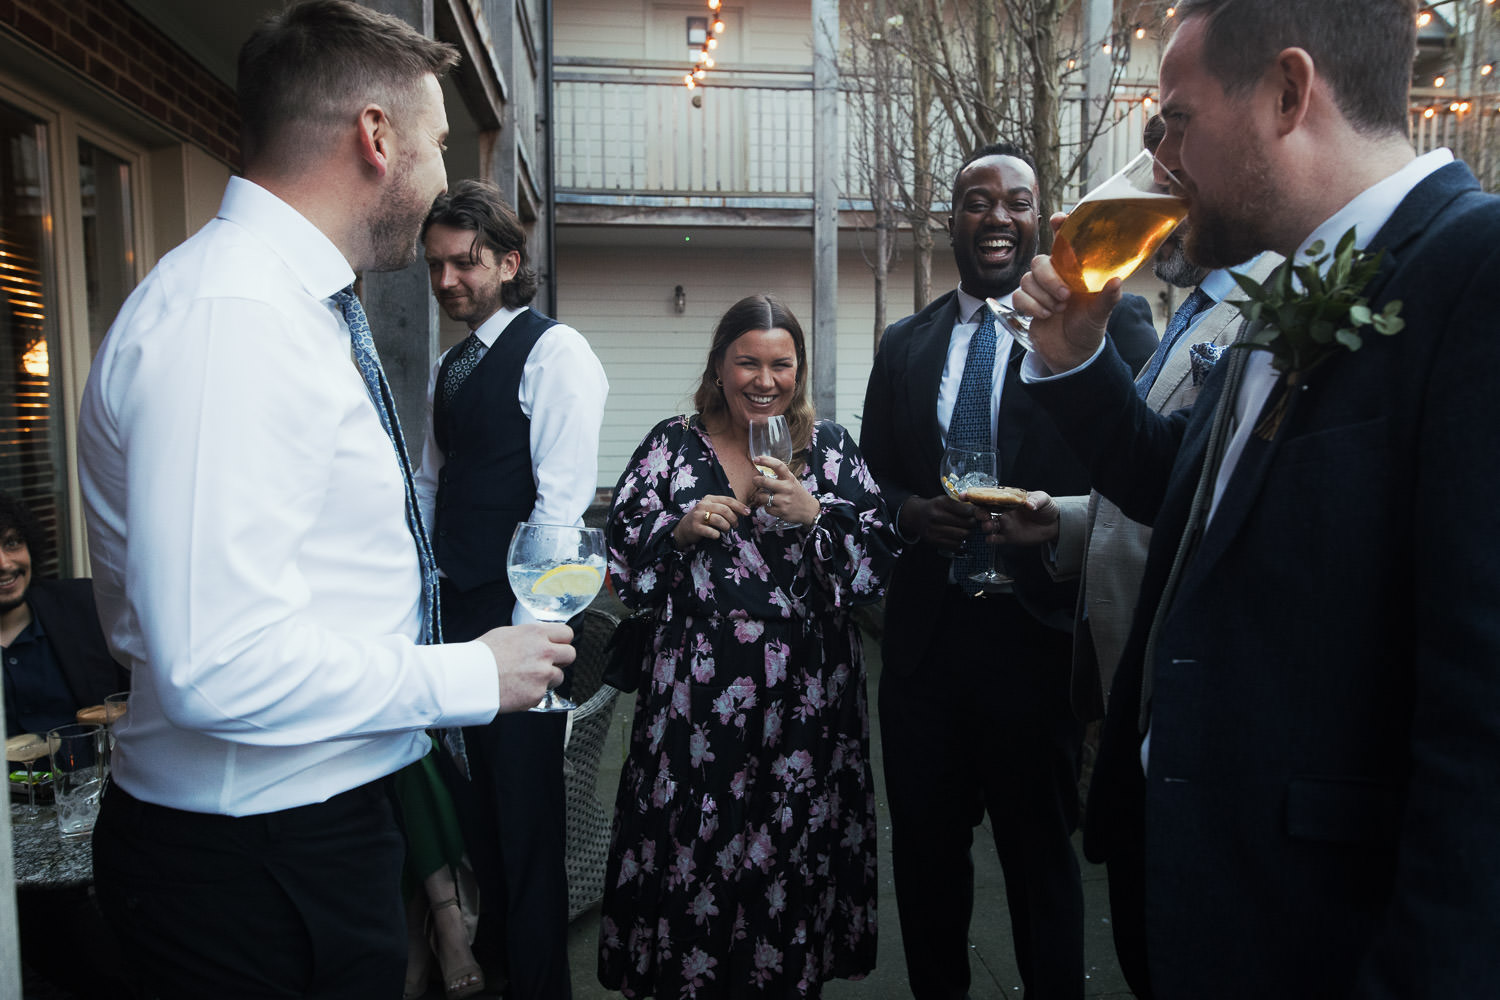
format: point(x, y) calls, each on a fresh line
point(555, 571)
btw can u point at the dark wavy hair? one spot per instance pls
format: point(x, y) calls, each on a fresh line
point(757, 312)
point(1363, 48)
point(314, 65)
point(477, 207)
point(15, 515)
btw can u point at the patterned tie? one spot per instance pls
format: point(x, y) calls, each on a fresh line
point(1178, 325)
point(970, 427)
point(463, 366)
point(385, 405)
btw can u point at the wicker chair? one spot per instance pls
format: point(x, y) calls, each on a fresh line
point(588, 819)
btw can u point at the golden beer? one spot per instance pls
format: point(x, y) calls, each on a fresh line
point(1111, 233)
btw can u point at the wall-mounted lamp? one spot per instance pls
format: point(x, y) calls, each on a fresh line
point(679, 299)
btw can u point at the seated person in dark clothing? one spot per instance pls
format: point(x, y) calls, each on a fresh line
point(56, 662)
point(54, 654)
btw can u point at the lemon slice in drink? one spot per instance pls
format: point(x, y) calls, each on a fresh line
point(568, 581)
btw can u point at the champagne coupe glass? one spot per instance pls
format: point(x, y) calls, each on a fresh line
point(27, 748)
point(1115, 228)
point(555, 571)
point(771, 436)
point(963, 469)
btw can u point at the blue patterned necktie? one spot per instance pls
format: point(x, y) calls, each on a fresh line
point(463, 366)
point(1195, 303)
point(385, 405)
point(969, 427)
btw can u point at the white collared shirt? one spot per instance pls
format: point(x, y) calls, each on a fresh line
point(246, 519)
point(1365, 213)
point(563, 390)
point(958, 352)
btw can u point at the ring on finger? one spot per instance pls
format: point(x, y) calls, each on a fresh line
point(707, 515)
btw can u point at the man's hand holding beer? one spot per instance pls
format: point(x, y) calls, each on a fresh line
point(1066, 326)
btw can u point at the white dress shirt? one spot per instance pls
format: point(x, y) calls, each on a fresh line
point(1365, 213)
point(958, 353)
point(563, 390)
point(252, 562)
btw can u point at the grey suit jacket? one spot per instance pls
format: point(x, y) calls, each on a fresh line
point(1106, 548)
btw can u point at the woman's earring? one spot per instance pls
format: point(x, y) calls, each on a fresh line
point(719, 382)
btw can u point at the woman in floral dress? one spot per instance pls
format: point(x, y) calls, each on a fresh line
point(743, 857)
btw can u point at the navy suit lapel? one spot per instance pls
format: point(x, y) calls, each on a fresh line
point(925, 376)
point(1411, 217)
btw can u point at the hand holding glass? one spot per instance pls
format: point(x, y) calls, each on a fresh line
point(555, 570)
point(771, 437)
point(964, 469)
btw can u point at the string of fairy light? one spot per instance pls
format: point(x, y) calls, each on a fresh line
point(1460, 104)
point(703, 57)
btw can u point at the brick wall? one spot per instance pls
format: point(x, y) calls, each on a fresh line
point(110, 44)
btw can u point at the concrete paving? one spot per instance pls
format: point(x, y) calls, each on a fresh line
point(992, 965)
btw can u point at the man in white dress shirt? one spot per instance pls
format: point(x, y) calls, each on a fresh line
point(253, 560)
point(512, 436)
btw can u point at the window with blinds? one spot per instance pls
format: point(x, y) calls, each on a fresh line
point(31, 444)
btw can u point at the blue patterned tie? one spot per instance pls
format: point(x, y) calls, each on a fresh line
point(463, 366)
point(1176, 327)
point(969, 427)
point(385, 405)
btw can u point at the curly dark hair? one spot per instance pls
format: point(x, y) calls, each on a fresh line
point(16, 516)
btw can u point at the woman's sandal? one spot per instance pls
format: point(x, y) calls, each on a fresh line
point(463, 982)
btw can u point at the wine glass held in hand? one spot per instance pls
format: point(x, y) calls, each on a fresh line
point(771, 437)
point(555, 570)
point(969, 476)
point(1115, 228)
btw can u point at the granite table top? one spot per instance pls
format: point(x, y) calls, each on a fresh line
point(43, 861)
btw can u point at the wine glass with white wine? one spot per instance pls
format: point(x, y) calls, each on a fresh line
point(555, 571)
point(770, 436)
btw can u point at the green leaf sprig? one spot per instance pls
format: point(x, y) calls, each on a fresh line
point(1304, 315)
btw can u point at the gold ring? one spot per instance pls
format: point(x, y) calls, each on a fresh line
point(706, 516)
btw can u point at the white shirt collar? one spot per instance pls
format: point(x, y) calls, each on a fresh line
point(969, 305)
point(1374, 206)
point(490, 330)
point(1219, 283)
point(307, 252)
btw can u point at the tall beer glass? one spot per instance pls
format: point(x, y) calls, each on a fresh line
point(1115, 228)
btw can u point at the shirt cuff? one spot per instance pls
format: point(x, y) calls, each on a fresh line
point(1032, 372)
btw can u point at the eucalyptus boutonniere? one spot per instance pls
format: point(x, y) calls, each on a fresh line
point(1305, 314)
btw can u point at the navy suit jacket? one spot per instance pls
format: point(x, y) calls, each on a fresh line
point(1322, 816)
point(902, 442)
